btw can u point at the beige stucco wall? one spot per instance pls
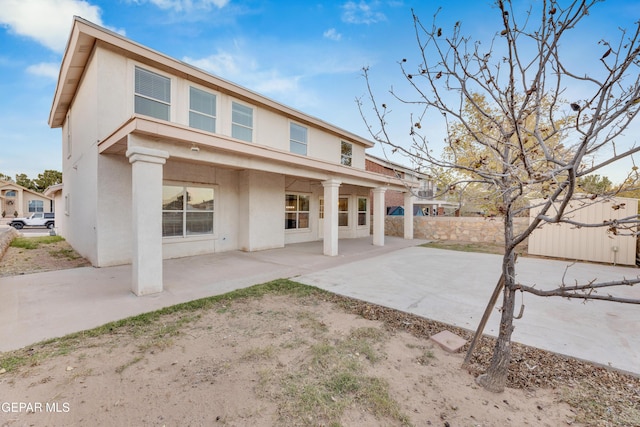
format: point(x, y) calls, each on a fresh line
point(249, 212)
point(467, 229)
point(261, 214)
point(114, 216)
point(79, 165)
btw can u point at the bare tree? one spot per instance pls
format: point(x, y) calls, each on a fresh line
point(530, 139)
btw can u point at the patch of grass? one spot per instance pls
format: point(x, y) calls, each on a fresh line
point(259, 353)
point(308, 321)
point(147, 323)
point(426, 358)
point(34, 242)
point(361, 341)
point(11, 362)
point(265, 378)
point(67, 253)
point(334, 380)
point(296, 342)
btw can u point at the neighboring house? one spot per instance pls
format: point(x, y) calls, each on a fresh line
point(419, 186)
point(164, 160)
point(16, 200)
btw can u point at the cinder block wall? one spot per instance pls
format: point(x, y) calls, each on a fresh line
point(466, 229)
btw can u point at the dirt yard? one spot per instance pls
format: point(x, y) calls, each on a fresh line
point(288, 355)
point(44, 254)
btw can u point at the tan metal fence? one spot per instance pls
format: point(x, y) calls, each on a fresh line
point(586, 243)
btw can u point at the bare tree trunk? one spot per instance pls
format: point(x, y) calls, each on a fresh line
point(495, 378)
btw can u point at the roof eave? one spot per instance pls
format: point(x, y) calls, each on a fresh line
point(82, 41)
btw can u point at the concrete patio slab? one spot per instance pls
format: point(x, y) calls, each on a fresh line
point(448, 286)
point(454, 288)
point(40, 306)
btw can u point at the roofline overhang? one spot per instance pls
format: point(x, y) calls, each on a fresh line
point(186, 137)
point(82, 41)
point(51, 190)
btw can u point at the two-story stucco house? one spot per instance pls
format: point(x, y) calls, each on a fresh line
point(164, 160)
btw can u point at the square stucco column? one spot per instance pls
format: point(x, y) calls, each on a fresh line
point(378, 216)
point(146, 204)
point(408, 215)
point(331, 191)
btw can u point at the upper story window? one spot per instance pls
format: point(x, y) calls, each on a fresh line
point(152, 94)
point(346, 153)
point(10, 193)
point(241, 122)
point(202, 109)
point(298, 139)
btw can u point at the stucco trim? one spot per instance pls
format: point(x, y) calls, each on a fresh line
point(185, 136)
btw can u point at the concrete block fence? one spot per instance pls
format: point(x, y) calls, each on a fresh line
point(465, 229)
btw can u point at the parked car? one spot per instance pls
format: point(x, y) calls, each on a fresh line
point(37, 219)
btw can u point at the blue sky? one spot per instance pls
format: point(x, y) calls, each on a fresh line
point(306, 54)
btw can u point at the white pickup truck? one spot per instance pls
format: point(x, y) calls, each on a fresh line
point(37, 219)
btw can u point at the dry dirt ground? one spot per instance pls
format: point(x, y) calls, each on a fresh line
point(56, 255)
point(285, 354)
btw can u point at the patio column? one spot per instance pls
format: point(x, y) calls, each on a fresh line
point(146, 206)
point(20, 206)
point(379, 215)
point(408, 215)
point(331, 191)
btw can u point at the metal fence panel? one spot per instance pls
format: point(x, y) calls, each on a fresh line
point(586, 243)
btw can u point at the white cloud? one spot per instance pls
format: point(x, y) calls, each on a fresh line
point(246, 71)
point(361, 13)
point(186, 5)
point(45, 69)
point(46, 21)
point(332, 34)
point(222, 64)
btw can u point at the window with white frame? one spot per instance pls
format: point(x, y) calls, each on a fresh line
point(202, 109)
point(321, 210)
point(298, 139)
point(362, 210)
point(296, 208)
point(187, 210)
point(343, 211)
point(152, 94)
point(346, 153)
point(36, 206)
point(241, 122)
